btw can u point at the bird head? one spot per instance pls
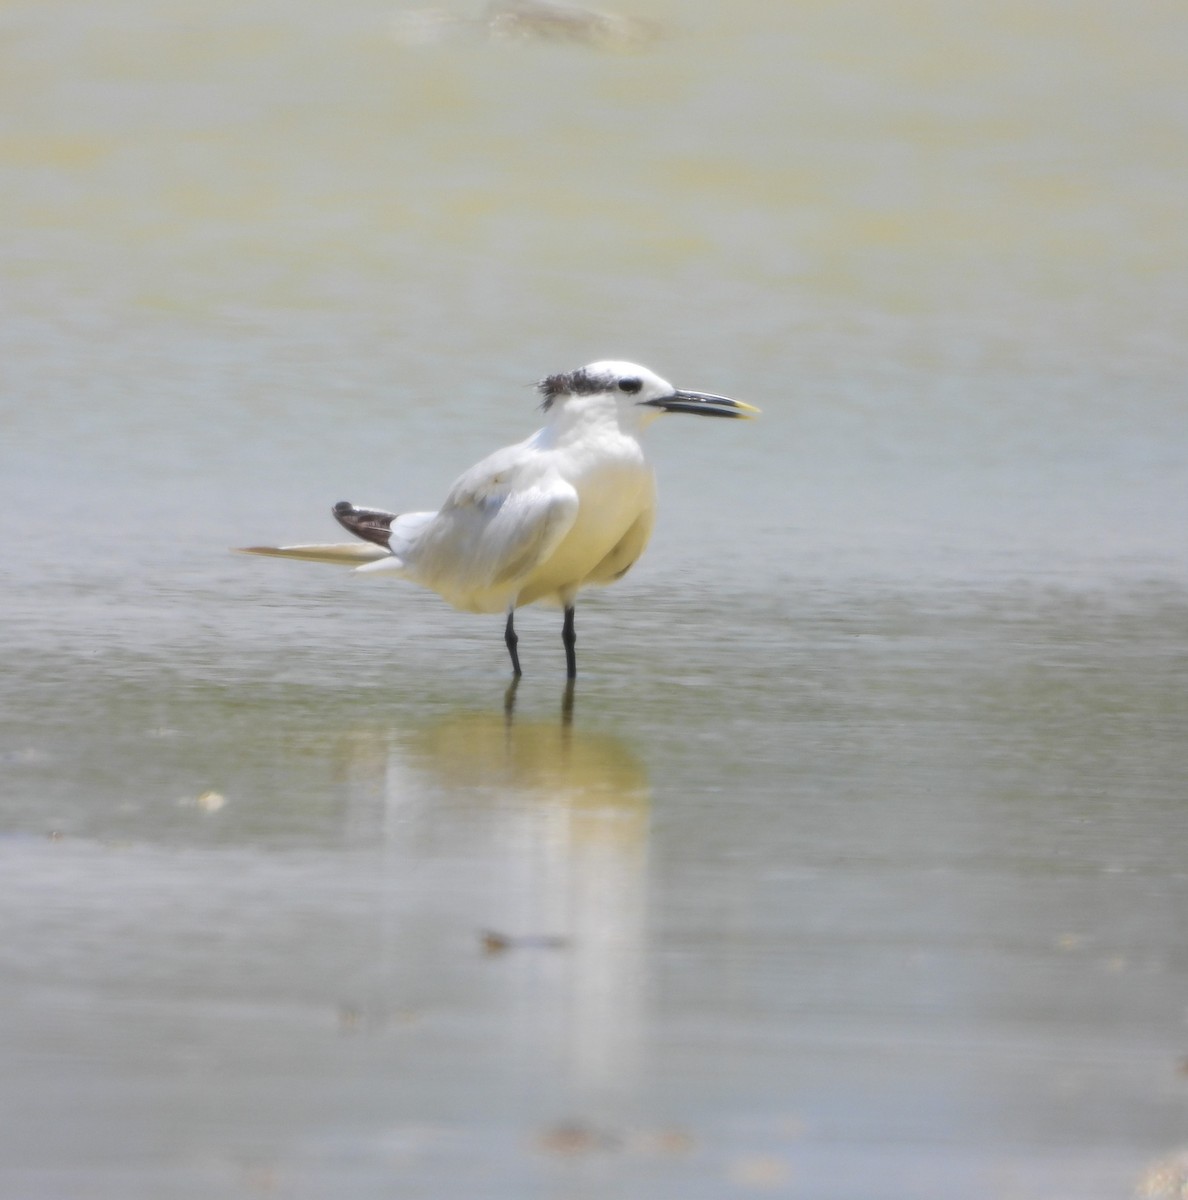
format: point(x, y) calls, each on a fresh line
point(637, 395)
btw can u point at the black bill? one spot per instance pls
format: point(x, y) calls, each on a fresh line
point(701, 403)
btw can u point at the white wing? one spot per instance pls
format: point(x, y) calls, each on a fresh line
point(501, 520)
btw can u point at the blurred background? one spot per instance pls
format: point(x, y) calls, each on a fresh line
point(857, 868)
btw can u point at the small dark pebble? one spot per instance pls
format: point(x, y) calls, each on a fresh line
point(572, 1138)
point(498, 943)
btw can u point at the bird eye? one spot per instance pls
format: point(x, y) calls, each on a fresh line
point(630, 384)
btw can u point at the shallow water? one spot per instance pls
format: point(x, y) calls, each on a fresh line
point(854, 864)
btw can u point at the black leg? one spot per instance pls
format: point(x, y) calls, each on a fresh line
point(570, 639)
point(509, 636)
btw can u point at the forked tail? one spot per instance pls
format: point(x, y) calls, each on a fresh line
point(385, 537)
point(341, 554)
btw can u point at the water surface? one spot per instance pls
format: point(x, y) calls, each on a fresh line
point(854, 865)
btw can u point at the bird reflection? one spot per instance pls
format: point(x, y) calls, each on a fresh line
point(509, 701)
point(551, 762)
point(534, 833)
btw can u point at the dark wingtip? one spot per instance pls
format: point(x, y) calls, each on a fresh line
point(370, 524)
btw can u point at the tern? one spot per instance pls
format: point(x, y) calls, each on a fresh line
point(535, 523)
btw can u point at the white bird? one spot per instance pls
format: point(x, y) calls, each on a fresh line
point(570, 508)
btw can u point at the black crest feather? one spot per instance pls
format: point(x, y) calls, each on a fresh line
point(572, 383)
